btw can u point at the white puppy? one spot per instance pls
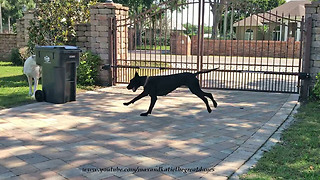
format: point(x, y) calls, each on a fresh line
point(32, 71)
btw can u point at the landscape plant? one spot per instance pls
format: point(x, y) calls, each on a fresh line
point(54, 22)
point(87, 72)
point(16, 58)
point(316, 88)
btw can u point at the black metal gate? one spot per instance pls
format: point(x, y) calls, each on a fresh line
point(254, 49)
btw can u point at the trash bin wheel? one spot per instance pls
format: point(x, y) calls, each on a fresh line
point(39, 96)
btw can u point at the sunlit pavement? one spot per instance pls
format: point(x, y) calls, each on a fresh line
point(97, 137)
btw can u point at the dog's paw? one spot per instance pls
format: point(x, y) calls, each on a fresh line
point(215, 104)
point(209, 110)
point(144, 114)
point(126, 104)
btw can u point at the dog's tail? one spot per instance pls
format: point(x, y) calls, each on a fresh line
point(201, 72)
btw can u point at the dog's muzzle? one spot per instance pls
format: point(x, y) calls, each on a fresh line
point(133, 88)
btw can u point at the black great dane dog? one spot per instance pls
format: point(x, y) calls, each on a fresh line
point(162, 85)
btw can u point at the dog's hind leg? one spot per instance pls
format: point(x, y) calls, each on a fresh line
point(35, 86)
point(209, 95)
point(30, 85)
point(152, 103)
point(198, 92)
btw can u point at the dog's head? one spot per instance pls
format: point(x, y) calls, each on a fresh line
point(135, 83)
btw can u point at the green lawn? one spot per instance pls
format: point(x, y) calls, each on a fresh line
point(14, 87)
point(148, 72)
point(298, 156)
point(148, 47)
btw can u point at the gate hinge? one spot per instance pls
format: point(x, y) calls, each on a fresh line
point(304, 76)
point(106, 67)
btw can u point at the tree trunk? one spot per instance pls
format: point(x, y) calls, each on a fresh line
point(231, 22)
point(225, 22)
point(215, 9)
point(9, 24)
point(138, 34)
point(1, 28)
point(153, 33)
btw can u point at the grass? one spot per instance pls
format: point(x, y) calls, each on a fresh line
point(14, 86)
point(148, 47)
point(298, 155)
point(147, 72)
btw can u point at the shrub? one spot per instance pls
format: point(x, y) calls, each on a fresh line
point(54, 22)
point(87, 72)
point(16, 58)
point(316, 88)
point(24, 53)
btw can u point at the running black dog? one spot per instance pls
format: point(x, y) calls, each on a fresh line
point(162, 85)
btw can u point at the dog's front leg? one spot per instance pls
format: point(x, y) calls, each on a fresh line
point(143, 94)
point(152, 103)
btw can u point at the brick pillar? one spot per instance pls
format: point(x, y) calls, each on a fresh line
point(180, 43)
point(22, 28)
point(83, 32)
point(313, 12)
point(97, 35)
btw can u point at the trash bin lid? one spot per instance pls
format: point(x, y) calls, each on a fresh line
point(65, 47)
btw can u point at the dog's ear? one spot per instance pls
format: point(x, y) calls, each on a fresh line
point(136, 75)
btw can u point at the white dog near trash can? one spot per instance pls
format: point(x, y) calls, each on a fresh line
point(32, 71)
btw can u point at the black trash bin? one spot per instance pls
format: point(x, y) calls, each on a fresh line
point(59, 72)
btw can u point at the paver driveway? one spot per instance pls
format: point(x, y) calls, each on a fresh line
point(98, 133)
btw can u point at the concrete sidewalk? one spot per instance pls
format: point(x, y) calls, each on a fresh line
point(98, 133)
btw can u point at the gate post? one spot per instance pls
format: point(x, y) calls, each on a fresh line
point(311, 61)
point(99, 36)
point(22, 28)
point(305, 80)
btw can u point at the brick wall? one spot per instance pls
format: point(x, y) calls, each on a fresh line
point(22, 29)
point(94, 36)
point(7, 43)
point(19, 40)
point(83, 33)
point(180, 43)
point(312, 10)
point(247, 48)
point(20, 33)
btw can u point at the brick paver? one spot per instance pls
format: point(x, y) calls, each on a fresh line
point(96, 137)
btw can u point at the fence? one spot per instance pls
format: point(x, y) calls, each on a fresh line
point(7, 43)
point(278, 49)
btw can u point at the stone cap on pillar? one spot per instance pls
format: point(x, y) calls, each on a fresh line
point(312, 4)
point(110, 5)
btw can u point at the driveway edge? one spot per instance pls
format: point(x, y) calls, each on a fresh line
point(276, 125)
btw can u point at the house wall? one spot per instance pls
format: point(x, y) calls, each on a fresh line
point(240, 32)
point(258, 34)
point(247, 48)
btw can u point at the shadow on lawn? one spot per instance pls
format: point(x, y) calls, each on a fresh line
point(14, 91)
point(14, 81)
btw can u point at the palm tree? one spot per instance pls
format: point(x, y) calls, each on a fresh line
point(12, 10)
point(3, 4)
point(1, 30)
